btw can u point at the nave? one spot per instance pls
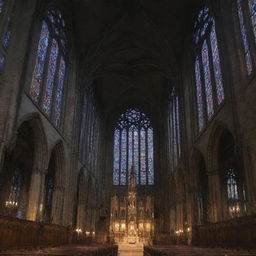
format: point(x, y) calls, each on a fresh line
point(128, 122)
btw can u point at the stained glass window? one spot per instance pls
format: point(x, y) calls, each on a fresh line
point(47, 85)
point(59, 93)
point(199, 93)
point(207, 79)
point(116, 157)
point(135, 133)
point(216, 65)
point(47, 99)
point(244, 34)
point(6, 30)
point(208, 74)
point(49, 185)
point(40, 61)
point(232, 191)
point(252, 9)
point(174, 130)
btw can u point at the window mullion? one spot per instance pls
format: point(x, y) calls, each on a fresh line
point(146, 131)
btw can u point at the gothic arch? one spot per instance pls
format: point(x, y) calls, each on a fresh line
point(56, 182)
point(30, 140)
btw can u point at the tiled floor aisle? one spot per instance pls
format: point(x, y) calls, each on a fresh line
point(130, 250)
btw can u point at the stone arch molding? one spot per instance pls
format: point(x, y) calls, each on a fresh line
point(39, 162)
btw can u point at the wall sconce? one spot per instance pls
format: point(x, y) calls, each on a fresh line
point(87, 233)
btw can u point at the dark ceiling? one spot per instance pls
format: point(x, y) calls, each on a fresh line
point(132, 49)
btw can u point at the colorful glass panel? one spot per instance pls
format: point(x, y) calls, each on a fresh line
point(116, 157)
point(143, 172)
point(136, 154)
point(134, 148)
point(252, 8)
point(123, 158)
point(7, 39)
point(130, 151)
point(216, 65)
point(59, 92)
point(199, 93)
point(150, 157)
point(207, 79)
point(47, 99)
point(2, 4)
point(40, 62)
point(244, 34)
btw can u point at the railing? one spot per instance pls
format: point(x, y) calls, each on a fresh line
point(239, 232)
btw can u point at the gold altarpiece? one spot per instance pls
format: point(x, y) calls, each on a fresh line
point(132, 216)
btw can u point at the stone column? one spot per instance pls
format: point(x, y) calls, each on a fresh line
point(35, 191)
point(215, 198)
point(81, 215)
point(57, 205)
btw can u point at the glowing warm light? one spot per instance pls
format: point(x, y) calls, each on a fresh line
point(123, 226)
point(87, 233)
point(141, 227)
point(93, 233)
point(11, 203)
point(78, 230)
point(117, 226)
point(188, 229)
point(148, 226)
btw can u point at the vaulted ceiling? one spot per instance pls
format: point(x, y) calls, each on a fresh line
point(132, 49)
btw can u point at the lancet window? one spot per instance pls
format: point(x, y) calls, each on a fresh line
point(207, 66)
point(48, 79)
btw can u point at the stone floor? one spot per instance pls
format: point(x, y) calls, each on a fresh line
point(130, 250)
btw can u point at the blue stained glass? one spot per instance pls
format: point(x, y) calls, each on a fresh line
point(2, 61)
point(7, 38)
point(244, 34)
point(133, 125)
point(207, 79)
point(59, 92)
point(123, 157)
point(136, 154)
point(40, 62)
point(116, 157)
point(130, 151)
point(199, 92)
point(47, 99)
point(2, 3)
point(143, 175)
point(150, 157)
point(252, 8)
point(216, 65)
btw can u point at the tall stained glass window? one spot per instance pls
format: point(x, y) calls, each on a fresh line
point(133, 147)
point(246, 11)
point(208, 74)
point(174, 130)
point(6, 9)
point(48, 79)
